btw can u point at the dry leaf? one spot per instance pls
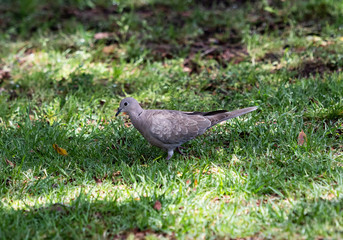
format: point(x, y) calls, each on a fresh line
point(195, 183)
point(4, 74)
point(314, 39)
point(103, 35)
point(145, 234)
point(235, 159)
point(157, 205)
point(97, 180)
point(302, 138)
point(10, 163)
point(109, 49)
point(330, 196)
point(57, 208)
point(115, 174)
point(187, 69)
point(59, 150)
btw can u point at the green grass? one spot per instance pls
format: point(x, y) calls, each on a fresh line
point(248, 178)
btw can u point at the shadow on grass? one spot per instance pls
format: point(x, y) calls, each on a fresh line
point(107, 219)
point(140, 217)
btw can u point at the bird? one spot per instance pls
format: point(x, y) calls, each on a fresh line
point(169, 129)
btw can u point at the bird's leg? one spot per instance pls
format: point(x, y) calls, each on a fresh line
point(170, 153)
point(179, 151)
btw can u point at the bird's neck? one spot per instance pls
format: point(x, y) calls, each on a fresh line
point(136, 114)
point(135, 119)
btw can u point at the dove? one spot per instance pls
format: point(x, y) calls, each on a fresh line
point(169, 129)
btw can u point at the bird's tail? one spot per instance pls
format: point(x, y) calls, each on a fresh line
point(220, 116)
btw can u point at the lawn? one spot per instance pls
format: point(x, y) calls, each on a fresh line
point(276, 173)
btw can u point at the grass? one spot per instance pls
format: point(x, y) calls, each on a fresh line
point(249, 178)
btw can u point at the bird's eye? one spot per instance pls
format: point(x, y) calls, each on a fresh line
point(125, 103)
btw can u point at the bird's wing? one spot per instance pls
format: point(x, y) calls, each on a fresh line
point(173, 127)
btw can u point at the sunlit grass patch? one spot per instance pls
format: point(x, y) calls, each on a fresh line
point(71, 169)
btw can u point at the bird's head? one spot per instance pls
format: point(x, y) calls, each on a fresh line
point(129, 105)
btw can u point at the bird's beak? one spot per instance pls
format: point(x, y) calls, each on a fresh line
point(119, 110)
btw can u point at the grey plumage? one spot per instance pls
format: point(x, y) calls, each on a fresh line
point(169, 129)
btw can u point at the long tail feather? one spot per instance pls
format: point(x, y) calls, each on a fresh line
point(223, 116)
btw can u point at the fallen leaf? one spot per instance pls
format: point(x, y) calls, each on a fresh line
point(187, 69)
point(109, 49)
point(302, 138)
point(138, 234)
point(157, 205)
point(115, 174)
point(10, 163)
point(57, 207)
point(235, 159)
point(103, 35)
point(314, 39)
point(127, 125)
point(195, 183)
point(97, 180)
point(330, 196)
point(60, 150)
point(4, 74)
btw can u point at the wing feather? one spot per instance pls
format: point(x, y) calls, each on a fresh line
point(172, 127)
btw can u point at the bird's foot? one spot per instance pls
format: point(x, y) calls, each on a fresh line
point(170, 154)
point(179, 151)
